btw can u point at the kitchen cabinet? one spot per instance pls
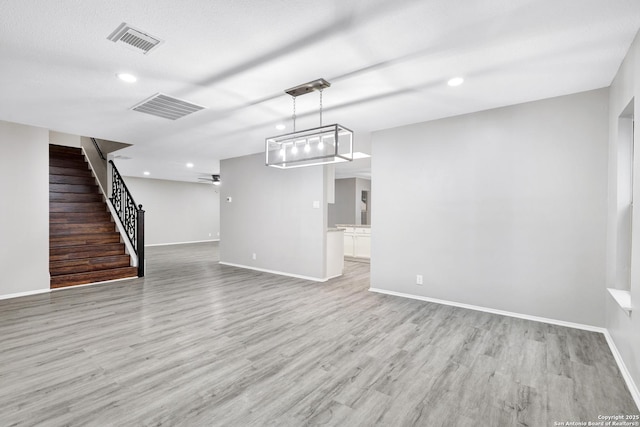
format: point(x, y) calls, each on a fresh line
point(357, 240)
point(335, 257)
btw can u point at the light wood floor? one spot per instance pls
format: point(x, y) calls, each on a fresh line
point(200, 344)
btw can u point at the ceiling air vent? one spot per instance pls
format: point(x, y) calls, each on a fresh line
point(165, 106)
point(134, 38)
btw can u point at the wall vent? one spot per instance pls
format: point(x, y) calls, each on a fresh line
point(165, 106)
point(134, 38)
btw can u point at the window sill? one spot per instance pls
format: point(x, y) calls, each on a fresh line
point(623, 298)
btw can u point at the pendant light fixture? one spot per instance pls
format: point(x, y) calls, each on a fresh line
point(323, 145)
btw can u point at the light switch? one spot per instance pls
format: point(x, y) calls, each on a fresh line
point(316, 204)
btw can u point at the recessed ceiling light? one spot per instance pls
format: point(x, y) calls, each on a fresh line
point(146, 173)
point(280, 126)
point(189, 165)
point(126, 77)
point(456, 81)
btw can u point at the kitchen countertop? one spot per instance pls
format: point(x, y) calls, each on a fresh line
point(353, 225)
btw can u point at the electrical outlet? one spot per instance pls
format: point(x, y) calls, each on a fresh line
point(419, 279)
point(209, 234)
point(254, 256)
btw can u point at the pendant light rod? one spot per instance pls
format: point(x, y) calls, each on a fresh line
point(294, 113)
point(320, 106)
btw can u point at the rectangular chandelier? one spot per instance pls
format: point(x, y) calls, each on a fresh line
point(319, 146)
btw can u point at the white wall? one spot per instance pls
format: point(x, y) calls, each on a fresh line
point(346, 209)
point(342, 210)
point(624, 330)
point(272, 215)
point(504, 209)
point(24, 217)
point(177, 212)
point(66, 139)
point(99, 166)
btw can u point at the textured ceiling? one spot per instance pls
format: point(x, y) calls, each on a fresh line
point(388, 62)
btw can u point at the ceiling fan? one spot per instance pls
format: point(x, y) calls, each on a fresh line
point(215, 179)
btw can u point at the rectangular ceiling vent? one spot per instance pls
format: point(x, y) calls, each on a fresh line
point(134, 38)
point(165, 106)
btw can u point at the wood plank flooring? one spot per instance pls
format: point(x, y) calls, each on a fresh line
point(195, 343)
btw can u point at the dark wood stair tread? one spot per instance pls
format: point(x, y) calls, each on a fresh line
point(64, 280)
point(75, 197)
point(79, 217)
point(84, 239)
point(55, 170)
point(59, 229)
point(68, 157)
point(68, 162)
point(82, 265)
point(63, 149)
point(89, 250)
point(73, 188)
point(61, 244)
point(77, 207)
point(71, 179)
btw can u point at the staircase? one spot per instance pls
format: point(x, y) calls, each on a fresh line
point(84, 245)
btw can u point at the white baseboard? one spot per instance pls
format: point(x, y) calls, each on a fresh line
point(494, 311)
point(24, 294)
point(44, 291)
point(631, 385)
point(281, 273)
point(182, 243)
point(633, 389)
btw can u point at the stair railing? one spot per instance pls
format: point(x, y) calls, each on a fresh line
point(100, 153)
point(131, 215)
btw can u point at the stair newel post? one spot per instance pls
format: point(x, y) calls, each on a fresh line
point(140, 240)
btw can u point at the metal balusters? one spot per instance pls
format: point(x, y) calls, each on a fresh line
point(131, 216)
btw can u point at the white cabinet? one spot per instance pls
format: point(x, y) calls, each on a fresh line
point(362, 243)
point(357, 241)
point(335, 258)
point(348, 244)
